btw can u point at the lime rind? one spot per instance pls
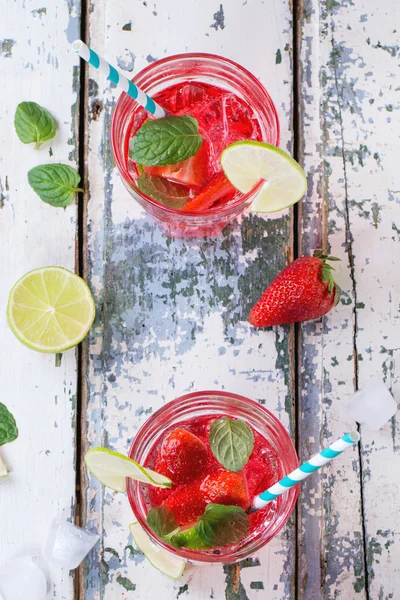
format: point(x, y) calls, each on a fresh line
point(3, 469)
point(112, 469)
point(158, 557)
point(245, 163)
point(37, 308)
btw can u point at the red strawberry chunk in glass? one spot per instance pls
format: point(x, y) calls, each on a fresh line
point(183, 456)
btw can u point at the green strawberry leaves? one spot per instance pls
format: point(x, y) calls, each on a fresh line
point(55, 184)
point(165, 141)
point(166, 192)
point(8, 426)
point(231, 442)
point(327, 275)
point(33, 123)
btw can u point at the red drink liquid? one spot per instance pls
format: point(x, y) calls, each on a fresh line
point(200, 479)
point(223, 118)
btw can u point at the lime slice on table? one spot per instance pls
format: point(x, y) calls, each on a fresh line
point(159, 558)
point(3, 469)
point(50, 309)
point(245, 163)
point(112, 468)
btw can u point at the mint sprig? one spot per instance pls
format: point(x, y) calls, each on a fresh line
point(33, 123)
point(165, 141)
point(55, 184)
point(219, 526)
point(8, 426)
point(166, 192)
point(231, 442)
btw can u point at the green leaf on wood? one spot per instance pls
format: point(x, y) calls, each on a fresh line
point(166, 192)
point(33, 123)
point(165, 141)
point(55, 184)
point(8, 426)
point(231, 442)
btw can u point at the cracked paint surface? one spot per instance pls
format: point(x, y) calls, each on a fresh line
point(172, 314)
point(349, 214)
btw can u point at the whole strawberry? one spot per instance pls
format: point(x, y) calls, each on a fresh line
point(303, 291)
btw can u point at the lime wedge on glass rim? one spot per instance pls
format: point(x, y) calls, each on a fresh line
point(50, 309)
point(245, 163)
point(112, 468)
point(161, 559)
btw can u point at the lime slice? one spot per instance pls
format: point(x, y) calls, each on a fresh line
point(50, 309)
point(112, 469)
point(3, 469)
point(245, 163)
point(161, 559)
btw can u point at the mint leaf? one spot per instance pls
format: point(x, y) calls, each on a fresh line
point(231, 442)
point(189, 539)
point(33, 123)
point(165, 141)
point(162, 521)
point(55, 184)
point(164, 191)
point(8, 427)
point(223, 525)
point(219, 526)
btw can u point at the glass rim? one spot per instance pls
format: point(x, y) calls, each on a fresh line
point(216, 211)
point(194, 556)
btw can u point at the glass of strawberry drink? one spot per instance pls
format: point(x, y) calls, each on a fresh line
point(184, 440)
point(193, 198)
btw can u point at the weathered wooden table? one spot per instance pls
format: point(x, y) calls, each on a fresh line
point(172, 314)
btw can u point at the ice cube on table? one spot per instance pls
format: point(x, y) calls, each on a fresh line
point(373, 405)
point(21, 579)
point(67, 544)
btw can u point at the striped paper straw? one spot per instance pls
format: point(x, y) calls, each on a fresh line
point(315, 463)
point(120, 80)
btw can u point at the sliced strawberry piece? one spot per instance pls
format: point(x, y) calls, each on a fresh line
point(192, 172)
point(157, 494)
point(260, 475)
point(217, 188)
point(184, 456)
point(225, 487)
point(187, 502)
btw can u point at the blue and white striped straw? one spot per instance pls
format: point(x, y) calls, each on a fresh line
point(120, 80)
point(315, 463)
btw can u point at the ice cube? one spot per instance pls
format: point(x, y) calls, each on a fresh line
point(67, 544)
point(20, 579)
point(373, 405)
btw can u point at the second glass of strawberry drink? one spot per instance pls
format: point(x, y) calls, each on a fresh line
point(176, 442)
point(193, 198)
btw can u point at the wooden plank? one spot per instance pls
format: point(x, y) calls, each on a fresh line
point(35, 65)
point(163, 331)
point(366, 64)
point(348, 150)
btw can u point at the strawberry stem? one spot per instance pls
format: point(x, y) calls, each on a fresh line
point(327, 275)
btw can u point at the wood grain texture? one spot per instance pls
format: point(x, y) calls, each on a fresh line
point(348, 59)
point(172, 314)
point(34, 63)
